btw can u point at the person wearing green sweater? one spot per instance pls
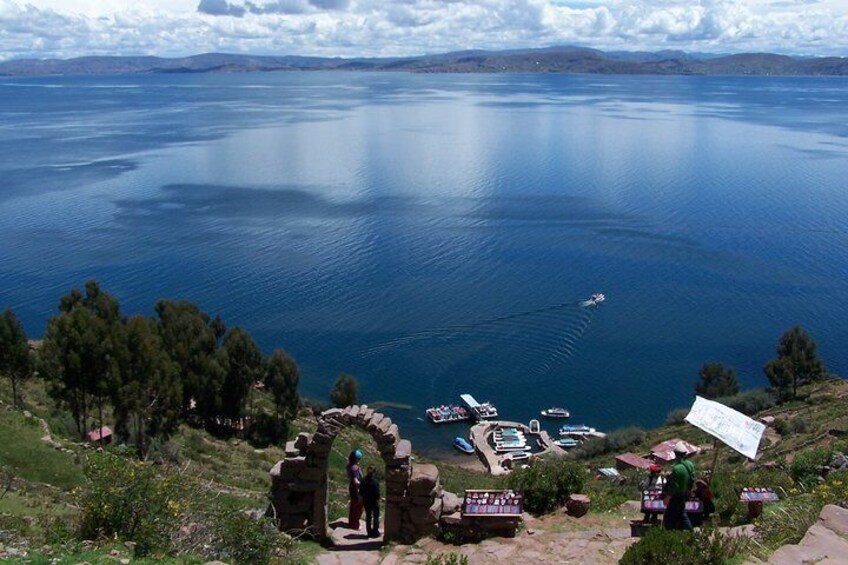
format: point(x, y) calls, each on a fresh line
point(679, 486)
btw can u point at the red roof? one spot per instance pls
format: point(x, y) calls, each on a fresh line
point(633, 460)
point(667, 446)
point(96, 435)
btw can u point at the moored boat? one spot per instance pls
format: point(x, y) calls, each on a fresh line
point(566, 442)
point(463, 445)
point(447, 414)
point(481, 411)
point(576, 430)
point(556, 413)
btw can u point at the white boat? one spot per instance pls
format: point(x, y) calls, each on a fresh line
point(510, 448)
point(556, 413)
point(578, 430)
point(597, 298)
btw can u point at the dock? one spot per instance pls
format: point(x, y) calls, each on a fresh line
point(480, 411)
point(494, 462)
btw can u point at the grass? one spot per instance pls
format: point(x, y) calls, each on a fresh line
point(24, 454)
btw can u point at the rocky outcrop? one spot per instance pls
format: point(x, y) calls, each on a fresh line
point(414, 496)
point(825, 542)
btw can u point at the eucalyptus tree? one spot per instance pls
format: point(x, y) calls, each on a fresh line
point(15, 360)
point(797, 363)
point(148, 398)
point(81, 352)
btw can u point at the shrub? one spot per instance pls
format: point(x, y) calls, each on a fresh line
point(126, 499)
point(750, 402)
point(447, 559)
point(693, 548)
point(781, 426)
point(618, 440)
point(246, 540)
point(798, 425)
point(806, 467)
point(547, 484)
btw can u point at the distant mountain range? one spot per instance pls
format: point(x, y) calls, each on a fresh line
point(565, 59)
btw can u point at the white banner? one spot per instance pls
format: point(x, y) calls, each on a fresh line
point(733, 428)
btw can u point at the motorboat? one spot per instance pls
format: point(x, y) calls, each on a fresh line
point(556, 413)
point(447, 414)
point(481, 411)
point(597, 298)
point(566, 442)
point(463, 445)
point(576, 430)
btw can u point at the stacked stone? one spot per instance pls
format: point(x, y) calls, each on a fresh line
point(299, 482)
point(423, 505)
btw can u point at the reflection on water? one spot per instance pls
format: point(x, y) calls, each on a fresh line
point(435, 235)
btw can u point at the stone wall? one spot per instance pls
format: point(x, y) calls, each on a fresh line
point(413, 494)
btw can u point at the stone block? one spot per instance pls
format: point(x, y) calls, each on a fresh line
point(374, 421)
point(305, 486)
point(398, 474)
point(451, 503)
point(275, 470)
point(421, 515)
point(423, 479)
point(392, 520)
point(291, 449)
point(354, 413)
point(311, 474)
point(384, 425)
point(365, 414)
point(577, 505)
point(403, 450)
point(298, 462)
point(302, 440)
point(421, 500)
point(329, 414)
point(453, 519)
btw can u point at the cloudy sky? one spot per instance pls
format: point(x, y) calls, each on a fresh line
point(68, 28)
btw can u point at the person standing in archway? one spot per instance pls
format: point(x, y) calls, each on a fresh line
point(354, 477)
point(370, 491)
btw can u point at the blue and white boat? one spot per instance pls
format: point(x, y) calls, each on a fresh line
point(463, 445)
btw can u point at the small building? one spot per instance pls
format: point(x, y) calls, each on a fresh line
point(664, 452)
point(631, 460)
point(102, 433)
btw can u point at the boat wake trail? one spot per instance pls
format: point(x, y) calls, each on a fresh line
point(535, 342)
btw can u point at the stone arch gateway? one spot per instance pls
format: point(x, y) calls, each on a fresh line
point(299, 485)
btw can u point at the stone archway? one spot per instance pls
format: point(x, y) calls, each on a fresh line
point(299, 485)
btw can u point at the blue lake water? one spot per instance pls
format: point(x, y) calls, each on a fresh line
point(434, 235)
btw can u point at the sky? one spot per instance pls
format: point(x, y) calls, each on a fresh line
point(350, 28)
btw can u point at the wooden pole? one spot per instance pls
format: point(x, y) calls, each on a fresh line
point(715, 459)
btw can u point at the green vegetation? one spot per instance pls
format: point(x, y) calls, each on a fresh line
point(717, 381)
point(547, 484)
point(796, 364)
point(447, 559)
point(344, 391)
point(616, 441)
point(706, 547)
point(15, 361)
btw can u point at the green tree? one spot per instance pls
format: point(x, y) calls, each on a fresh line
point(717, 381)
point(244, 369)
point(15, 360)
point(191, 339)
point(149, 397)
point(796, 364)
point(81, 352)
point(344, 391)
point(281, 379)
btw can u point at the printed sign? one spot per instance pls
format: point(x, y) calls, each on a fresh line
point(491, 503)
point(733, 428)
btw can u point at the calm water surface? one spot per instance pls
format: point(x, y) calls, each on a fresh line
point(435, 235)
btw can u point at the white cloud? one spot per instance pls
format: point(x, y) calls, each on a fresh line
point(66, 28)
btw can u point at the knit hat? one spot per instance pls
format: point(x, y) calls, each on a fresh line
point(681, 448)
point(654, 468)
point(357, 454)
